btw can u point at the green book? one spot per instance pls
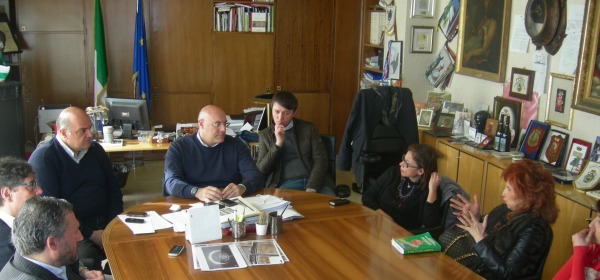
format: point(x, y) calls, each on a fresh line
point(414, 244)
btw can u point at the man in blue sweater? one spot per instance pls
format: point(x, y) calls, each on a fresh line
point(73, 167)
point(210, 165)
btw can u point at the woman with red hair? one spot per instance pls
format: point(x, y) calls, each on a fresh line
point(513, 240)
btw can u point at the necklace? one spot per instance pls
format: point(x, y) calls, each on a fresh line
point(409, 186)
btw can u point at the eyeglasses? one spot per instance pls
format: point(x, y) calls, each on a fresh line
point(406, 163)
point(30, 186)
point(218, 124)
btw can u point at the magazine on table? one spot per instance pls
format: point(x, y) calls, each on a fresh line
point(234, 255)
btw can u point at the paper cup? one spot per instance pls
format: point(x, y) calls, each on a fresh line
point(261, 229)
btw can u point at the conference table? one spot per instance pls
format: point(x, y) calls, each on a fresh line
point(343, 242)
point(133, 145)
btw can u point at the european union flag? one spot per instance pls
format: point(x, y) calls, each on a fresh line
point(140, 79)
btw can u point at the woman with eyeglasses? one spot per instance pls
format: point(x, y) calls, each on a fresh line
point(585, 261)
point(409, 194)
point(512, 241)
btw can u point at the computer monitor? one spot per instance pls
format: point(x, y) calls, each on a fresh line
point(128, 113)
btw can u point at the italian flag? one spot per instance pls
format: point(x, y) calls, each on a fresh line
point(100, 67)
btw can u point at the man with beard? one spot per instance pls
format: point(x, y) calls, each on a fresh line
point(45, 236)
point(210, 165)
point(73, 167)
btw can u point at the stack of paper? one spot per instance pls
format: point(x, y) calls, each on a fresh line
point(269, 203)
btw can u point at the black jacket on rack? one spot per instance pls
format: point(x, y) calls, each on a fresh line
point(391, 107)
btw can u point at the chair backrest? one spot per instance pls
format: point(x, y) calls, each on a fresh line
point(329, 144)
point(450, 189)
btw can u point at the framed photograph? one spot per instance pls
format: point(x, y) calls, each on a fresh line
point(445, 121)
point(587, 89)
point(534, 137)
point(436, 99)
point(491, 126)
point(422, 39)
point(521, 83)
point(395, 60)
point(483, 31)
point(589, 178)
point(459, 123)
point(554, 147)
point(425, 118)
point(578, 152)
point(559, 111)
point(511, 108)
point(595, 154)
point(422, 8)
point(452, 107)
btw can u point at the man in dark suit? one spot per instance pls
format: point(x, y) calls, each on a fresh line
point(45, 236)
point(17, 184)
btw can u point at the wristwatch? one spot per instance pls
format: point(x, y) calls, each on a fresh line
point(194, 191)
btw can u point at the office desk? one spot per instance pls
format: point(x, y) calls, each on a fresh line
point(345, 242)
point(133, 145)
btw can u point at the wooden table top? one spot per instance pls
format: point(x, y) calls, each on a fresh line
point(133, 145)
point(344, 242)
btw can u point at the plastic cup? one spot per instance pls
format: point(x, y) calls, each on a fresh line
point(261, 229)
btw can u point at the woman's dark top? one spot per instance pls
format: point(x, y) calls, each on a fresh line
point(406, 204)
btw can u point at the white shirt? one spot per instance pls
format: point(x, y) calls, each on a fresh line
point(75, 157)
point(204, 144)
point(60, 272)
point(290, 125)
point(7, 218)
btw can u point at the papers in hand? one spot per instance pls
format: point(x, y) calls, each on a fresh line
point(233, 255)
point(151, 224)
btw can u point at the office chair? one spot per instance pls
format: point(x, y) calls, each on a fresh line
point(329, 144)
point(381, 126)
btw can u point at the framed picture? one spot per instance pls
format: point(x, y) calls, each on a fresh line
point(559, 111)
point(578, 152)
point(589, 178)
point(425, 118)
point(422, 39)
point(481, 53)
point(521, 83)
point(452, 107)
point(491, 126)
point(534, 137)
point(445, 121)
point(595, 154)
point(587, 89)
point(395, 60)
point(422, 8)
point(11, 45)
point(436, 99)
point(554, 147)
point(459, 126)
point(511, 108)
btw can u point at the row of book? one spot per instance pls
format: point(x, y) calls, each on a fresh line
point(243, 18)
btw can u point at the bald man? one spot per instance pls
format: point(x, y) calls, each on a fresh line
point(210, 165)
point(73, 167)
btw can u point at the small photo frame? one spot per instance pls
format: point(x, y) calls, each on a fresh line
point(445, 121)
point(491, 127)
point(554, 148)
point(425, 117)
point(534, 137)
point(436, 99)
point(459, 123)
point(452, 107)
point(511, 108)
point(578, 152)
point(560, 99)
point(422, 8)
point(589, 178)
point(395, 60)
point(521, 83)
point(422, 39)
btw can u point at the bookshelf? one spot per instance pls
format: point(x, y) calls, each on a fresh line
point(371, 44)
point(243, 16)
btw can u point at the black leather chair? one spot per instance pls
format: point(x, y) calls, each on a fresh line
point(329, 143)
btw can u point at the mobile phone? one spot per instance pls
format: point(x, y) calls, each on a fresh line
point(176, 250)
point(221, 206)
point(136, 214)
point(337, 202)
point(134, 220)
point(228, 202)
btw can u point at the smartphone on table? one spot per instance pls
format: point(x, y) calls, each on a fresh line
point(136, 214)
point(176, 250)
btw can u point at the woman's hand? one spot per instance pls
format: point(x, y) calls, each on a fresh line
point(583, 237)
point(471, 224)
point(463, 205)
point(434, 183)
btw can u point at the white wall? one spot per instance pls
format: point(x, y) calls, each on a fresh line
point(470, 90)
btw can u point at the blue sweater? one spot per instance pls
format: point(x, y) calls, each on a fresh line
point(91, 186)
point(189, 164)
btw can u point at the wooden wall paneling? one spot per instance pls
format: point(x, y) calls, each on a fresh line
point(176, 108)
point(180, 46)
point(494, 186)
point(345, 62)
point(314, 107)
point(243, 68)
point(304, 45)
point(51, 15)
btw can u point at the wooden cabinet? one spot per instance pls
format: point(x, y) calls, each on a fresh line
point(470, 173)
point(494, 186)
point(448, 159)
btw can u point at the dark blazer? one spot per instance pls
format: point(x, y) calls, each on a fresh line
point(7, 249)
point(372, 107)
point(19, 268)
